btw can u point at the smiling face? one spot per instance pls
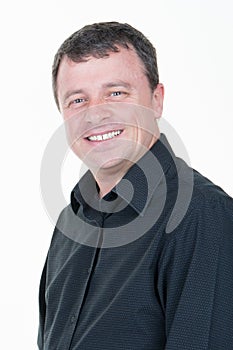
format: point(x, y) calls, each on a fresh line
point(109, 109)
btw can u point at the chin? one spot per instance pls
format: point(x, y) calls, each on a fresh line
point(106, 164)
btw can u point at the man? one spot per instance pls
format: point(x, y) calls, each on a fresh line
point(142, 258)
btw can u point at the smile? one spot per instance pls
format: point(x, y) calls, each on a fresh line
point(104, 137)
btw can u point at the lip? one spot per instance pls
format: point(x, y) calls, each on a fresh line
point(103, 128)
point(101, 133)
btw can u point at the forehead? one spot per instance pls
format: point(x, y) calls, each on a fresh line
point(125, 63)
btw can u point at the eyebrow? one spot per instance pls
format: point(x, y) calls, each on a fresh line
point(70, 93)
point(117, 83)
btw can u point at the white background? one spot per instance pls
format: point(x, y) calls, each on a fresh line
point(194, 40)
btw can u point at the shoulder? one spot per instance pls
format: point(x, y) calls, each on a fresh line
point(209, 197)
point(205, 231)
point(209, 213)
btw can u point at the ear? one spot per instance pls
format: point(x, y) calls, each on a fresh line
point(157, 100)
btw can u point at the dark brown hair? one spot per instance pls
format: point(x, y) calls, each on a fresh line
point(98, 40)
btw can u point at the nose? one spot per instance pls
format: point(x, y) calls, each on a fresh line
point(97, 114)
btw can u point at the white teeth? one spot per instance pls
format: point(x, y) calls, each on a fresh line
point(107, 136)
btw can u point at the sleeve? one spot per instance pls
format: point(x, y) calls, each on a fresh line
point(42, 308)
point(195, 281)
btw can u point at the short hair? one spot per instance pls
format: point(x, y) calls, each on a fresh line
point(98, 40)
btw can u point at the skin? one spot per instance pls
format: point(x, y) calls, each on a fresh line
point(102, 95)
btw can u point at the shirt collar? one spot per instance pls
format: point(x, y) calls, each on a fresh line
point(139, 183)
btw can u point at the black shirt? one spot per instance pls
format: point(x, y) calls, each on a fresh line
point(149, 266)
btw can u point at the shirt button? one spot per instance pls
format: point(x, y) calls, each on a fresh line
point(72, 320)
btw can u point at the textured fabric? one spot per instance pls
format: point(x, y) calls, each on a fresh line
point(161, 290)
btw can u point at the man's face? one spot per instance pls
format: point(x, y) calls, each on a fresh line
point(109, 109)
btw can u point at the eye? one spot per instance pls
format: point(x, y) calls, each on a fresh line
point(78, 100)
point(116, 93)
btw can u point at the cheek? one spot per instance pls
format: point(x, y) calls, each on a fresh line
point(75, 126)
point(145, 124)
point(73, 130)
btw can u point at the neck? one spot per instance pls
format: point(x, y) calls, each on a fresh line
point(109, 178)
